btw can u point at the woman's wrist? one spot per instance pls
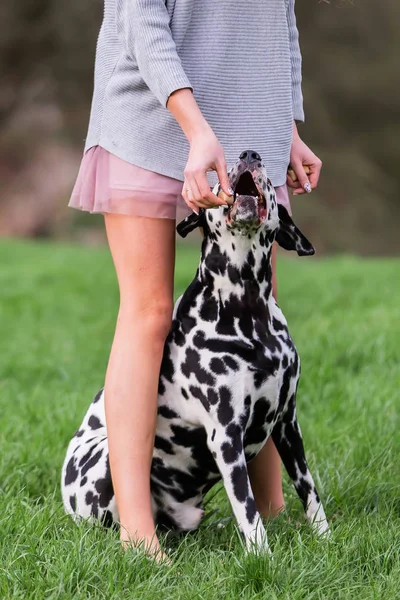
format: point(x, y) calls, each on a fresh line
point(295, 131)
point(183, 106)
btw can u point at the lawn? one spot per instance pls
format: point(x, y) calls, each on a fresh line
point(57, 310)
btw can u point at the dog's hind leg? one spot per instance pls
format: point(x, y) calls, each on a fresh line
point(228, 452)
point(289, 443)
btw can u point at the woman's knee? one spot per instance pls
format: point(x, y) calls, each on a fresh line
point(152, 316)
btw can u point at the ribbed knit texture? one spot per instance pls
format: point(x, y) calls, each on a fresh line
point(240, 57)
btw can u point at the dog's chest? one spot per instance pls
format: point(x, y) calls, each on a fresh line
point(226, 381)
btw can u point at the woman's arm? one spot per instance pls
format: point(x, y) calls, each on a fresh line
point(206, 153)
point(300, 153)
point(145, 30)
point(295, 57)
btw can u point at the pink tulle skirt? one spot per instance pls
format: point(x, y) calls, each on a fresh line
point(108, 184)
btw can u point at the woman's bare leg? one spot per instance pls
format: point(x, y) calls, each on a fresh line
point(265, 470)
point(143, 251)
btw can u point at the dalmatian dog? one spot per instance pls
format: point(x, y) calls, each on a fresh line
point(228, 377)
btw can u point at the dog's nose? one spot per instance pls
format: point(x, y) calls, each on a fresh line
point(249, 157)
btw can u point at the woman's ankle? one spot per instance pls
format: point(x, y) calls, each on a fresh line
point(272, 509)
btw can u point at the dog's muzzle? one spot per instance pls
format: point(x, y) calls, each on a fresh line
point(249, 207)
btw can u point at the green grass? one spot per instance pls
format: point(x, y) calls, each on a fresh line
point(58, 307)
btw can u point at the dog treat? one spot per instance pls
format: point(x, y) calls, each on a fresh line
point(293, 175)
point(225, 198)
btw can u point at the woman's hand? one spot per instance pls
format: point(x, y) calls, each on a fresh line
point(300, 155)
point(206, 153)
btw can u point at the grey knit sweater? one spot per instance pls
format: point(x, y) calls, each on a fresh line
point(240, 57)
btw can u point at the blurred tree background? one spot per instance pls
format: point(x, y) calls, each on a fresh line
point(350, 49)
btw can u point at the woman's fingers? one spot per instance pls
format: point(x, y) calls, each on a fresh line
point(315, 172)
point(198, 192)
point(305, 185)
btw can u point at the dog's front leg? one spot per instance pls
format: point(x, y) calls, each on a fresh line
point(289, 443)
point(227, 450)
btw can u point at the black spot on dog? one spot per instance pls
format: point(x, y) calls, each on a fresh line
point(284, 391)
point(209, 308)
point(225, 410)
point(246, 272)
point(197, 393)
point(95, 507)
point(212, 396)
point(166, 412)
point(89, 498)
point(232, 450)
point(255, 433)
point(86, 456)
point(104, 487)
point(184, 393)
point(185, 437)
point(277, 325)
point(233, 273)
point(83, 481)
point(244, 417)
point(165, 521)
point(246, 325)
point(177, 334)
point(216, 261)
point(231, 363)
point(192, 365)
point(167, 365)
point(240, 483)
point(161, 387)
point(250, 259)
point(107, 519)
point(98, 396)
point(233, 431)
point(79, 433)
point(251, 509)
point(72, 502)
point(226, 324)
point(163, 444)
point(217, 366)
point(94, 422)
point(71, 472)
point(264, 271)
point(91, 462)
point(303, 489)
point(213, 435)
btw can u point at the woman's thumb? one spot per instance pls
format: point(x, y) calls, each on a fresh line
point(224, 180)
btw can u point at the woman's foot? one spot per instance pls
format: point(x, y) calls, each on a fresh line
point(148, 544)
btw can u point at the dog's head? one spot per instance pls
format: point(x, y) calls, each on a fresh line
point(254, 210)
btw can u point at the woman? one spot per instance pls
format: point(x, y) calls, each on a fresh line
point(181, 88)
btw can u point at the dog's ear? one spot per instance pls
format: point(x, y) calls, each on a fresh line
point(290, 237)
point(191, 222)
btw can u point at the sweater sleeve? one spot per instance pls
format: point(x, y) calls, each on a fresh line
point(145, 30)
point(295, 57)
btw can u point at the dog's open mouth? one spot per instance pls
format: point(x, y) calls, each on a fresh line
point(246, 186)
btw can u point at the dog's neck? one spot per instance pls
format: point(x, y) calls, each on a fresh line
point(234, 264)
